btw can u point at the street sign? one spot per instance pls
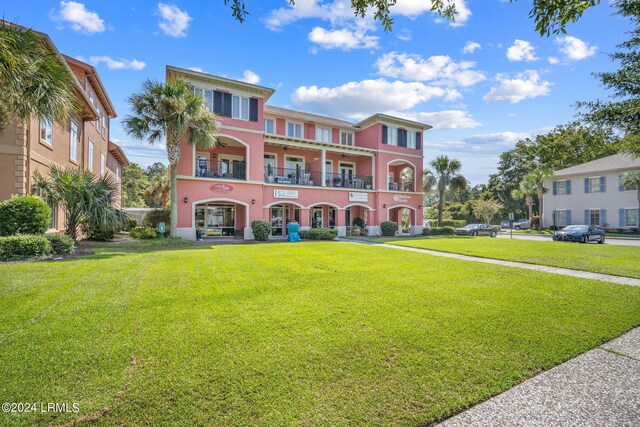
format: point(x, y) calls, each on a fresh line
point(511, 216)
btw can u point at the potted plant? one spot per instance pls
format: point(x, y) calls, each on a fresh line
point(368, 182)
point(356, 230)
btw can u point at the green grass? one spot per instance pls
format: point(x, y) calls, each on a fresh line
point(318, 333)
point(616, 260)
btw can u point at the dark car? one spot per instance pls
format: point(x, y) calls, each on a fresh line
point(520, 224)
point(477, 230)
point(580, 233)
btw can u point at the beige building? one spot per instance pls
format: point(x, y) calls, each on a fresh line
point(80, 142)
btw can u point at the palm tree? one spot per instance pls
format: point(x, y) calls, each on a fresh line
point(34, 80)
point(444, 175)
point(632, 179)
point(526, 190)
point(537, 178)
point(158, 191)
point(173, 112)
point(85, 198)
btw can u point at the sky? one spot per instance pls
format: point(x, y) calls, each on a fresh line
point(483, 82)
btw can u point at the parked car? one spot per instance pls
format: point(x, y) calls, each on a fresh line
point(579, 233)
point(426, 223)
point(477, 230)
point(520, 224)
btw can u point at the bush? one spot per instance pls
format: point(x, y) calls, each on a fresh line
point(304, 234)
point(144, 233)
point(358, 222)
point(61, 244)
point(155, 217)
point(322, 233)
point(389, 228)
point(455, 223)
point(534, 223)
point(24, 246)
point(261, 229)
point(24, 215)
point(438, 231)
point(91, 231)
point(130, 224)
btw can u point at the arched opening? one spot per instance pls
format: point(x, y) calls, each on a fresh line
point(401, 176)
point(323, 215)
point(220, 217)
point(228, 159)
point(404, 216)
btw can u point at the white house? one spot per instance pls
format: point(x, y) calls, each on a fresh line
point(591, 193)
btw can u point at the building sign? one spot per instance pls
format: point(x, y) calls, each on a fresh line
point(221, 188)
point(285, 194)
point(358, 197)
point(402, 198)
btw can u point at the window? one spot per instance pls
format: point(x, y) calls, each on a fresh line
point(104, 125)
point(103, 164)
point(594, 217)
point(270, 167)
point(118, 174)
point(294, 164)
point(294, 130)
point(93, 104)
point(90, 159)
point(323, 134)
point(392, 135)
point(595, 184)
point(623, 187)
point(269, 126)
point(240, 108)
point(411, 140)
point(563, 187)
point(346, 138)
point(208, 100)
point(562, 218)
point(46, 131)
point(74, 138)
point(630, 218)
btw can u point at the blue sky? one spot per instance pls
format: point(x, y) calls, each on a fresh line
point(482, 82)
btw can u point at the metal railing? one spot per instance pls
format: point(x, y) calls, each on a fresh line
point(400, 186)
point(292, 176)
point(340, 180)
point(221, 169)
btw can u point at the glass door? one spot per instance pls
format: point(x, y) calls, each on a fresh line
point(316, 218)
point(277, 222)
point(220, 220)
point(346, 173)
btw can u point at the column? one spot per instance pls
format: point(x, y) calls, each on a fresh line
point(305, 221)
point(341, 222)
point(323, 159)
point(373, 172)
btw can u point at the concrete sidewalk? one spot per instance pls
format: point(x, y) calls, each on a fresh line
point(599, 388)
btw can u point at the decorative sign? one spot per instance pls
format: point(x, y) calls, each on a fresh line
point(285, 194)
point(221, 188)
point(358, 197)
point(402, 198)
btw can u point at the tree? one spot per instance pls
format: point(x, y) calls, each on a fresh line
point(34, 81)
point(84, 197)
point(550, 16)
point(536, 178)
point(444, 175)
point(623, 112)
point(134, 182)
point(173, 112)
point(487, 209)
point(632, 179)
point(155, 170)
point(158, 191)
point(526, 190)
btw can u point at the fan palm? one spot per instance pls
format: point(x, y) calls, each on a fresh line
point(171, 112)
point(158, 191)
point(84, 197)
point(34, 80)
point(537, 178)
point(526, 190)
point(444, 175)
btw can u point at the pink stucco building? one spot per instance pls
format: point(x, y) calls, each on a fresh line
point(278, 164)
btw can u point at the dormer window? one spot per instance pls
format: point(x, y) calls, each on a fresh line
point(294, 130)
point(346, 138)
point(270, 126)
point(323, 134)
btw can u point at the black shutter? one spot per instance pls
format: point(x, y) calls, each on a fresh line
point(402, 137)
point(253, 110)
point(419, 140)
point(226, 104)
point(384, 134)
point(217, 102)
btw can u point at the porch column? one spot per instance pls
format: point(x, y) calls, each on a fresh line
point(305, 213)
point(340, 222)
point(373, 172)
point(323, 159)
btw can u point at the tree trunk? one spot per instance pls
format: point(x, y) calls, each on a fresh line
point(529, 201)
point(540, 206)
point(174, 201)
point(440, 206)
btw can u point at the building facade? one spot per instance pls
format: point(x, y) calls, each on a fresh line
point(80, 142)
point(278, 164)
point(591, 193)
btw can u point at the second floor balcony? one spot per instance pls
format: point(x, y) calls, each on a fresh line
point(224, 169)
point(300, 176)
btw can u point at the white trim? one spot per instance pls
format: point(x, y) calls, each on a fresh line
point(259, 132)
point(400, 206)
point(353, 138)
point(322, 128)
point(404, 154)
point(415, 176)
point(315, 204)
point(247, 157)
point(264, 119)
point(218, 199)
point(282, 202)
point(359, 204)
point(286, 129)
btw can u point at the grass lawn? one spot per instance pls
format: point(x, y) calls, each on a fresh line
point(316, 333)
point(616, 260)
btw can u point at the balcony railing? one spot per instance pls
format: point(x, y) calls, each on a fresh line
point(402, 186)
point(340, 180)
point(292, 176)
point(221, 169)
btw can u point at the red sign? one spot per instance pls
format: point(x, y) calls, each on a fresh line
point(221, 188)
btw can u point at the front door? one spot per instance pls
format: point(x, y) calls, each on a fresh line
point(316, 218)
point(277, 220)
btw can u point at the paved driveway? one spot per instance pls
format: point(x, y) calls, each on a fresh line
point(547, 238)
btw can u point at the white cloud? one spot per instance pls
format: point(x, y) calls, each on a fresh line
point(471, 47)
point(524, 85)
point(521, 51)
point(80, 18)
point(357, 100)
point(553, 60)
point(441, 70)
point(415, 8)
point(250, 77)
point(174, 22)
point(118, 64)
point(488, 144)
point(440, 120)
point(574, 48)
point(405, 35)
point(345, 39)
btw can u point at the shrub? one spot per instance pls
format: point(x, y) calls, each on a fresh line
point(24, 215)
point(389, 228)
point(455, 223)
point(143, 233)
point(130, 224)
point(91, 231)
point(261, 229)
point(61, 244)
point(304, 234)
point(155, 217)
point(534, 223)
point(438, 231)
point(358, 222)
point(24, 246)
point(322, 234)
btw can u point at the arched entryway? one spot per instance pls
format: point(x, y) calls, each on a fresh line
point(324, 215)
point(356, 218)
point(401, 176)
point(404, 216)
point(218, 217)
point(280, 214)
point(228, 159)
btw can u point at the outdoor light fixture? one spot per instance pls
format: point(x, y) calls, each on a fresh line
point(384, 206)
point(213, 155)
point(419, 206)
point(186, 199)
point(253, 201)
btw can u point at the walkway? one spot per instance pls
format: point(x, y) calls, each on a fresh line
point(598, 388)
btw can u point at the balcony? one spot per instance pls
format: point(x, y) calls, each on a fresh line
point(291, 176)
point(339, 180)
point(223, 169)
point(402, 186)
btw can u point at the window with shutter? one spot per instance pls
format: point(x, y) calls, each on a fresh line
point(419, 140)
point(253, 110)
point(384, 134)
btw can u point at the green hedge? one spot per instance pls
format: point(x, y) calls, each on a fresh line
point(438, 231)
point(61, 244)
point(455, 223)
point(321, 234)
point(24, 246)
point(144, 233)
point(156, 216)
point(24, 215)
point(389, 228)
point(261, 229)
point(130, 224)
